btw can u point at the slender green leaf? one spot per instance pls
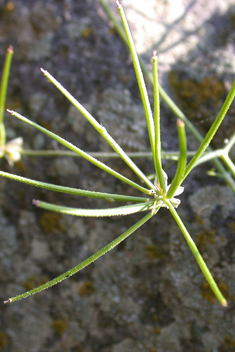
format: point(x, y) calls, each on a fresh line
point(80, 152)
point(3, 94)
point(79, 192)
point(182, 160)
point(124, 210)
point(213, 129)
point(167, 99)
point(157, 157)
point(198, 257)
point(140, 79)
point(100, 129)
point(85, 263)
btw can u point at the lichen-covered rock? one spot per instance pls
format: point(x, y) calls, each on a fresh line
point(148, 294)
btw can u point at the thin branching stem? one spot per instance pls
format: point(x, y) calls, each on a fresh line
point(230, 143)
point(229, 163)
point(170, 155)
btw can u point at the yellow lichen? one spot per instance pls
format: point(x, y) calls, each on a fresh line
point(10, 6)
point(232, 226)
point(229, 342)
point(30, 283)
point(50, 222)
point(86, 33)
point(207, 293)
point(155, 251)
point(34, 281)
point(4, 339)
point(157, 331)
point(191, 95)
point(59, 326)
point(203, 238)
point(87, 288)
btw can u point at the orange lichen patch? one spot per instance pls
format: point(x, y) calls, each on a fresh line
point(203, 238)
point(192, 94)
point(86, 33)
point(229, 342)
point(50, 222)
point(59, 326)
point(155, 252)
point(4, 339)
point(207, 293)
point(86, 289)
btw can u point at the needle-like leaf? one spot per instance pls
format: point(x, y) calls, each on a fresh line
point(101, 129)
point(124, 210)
point(80, 152)
point(86, 262)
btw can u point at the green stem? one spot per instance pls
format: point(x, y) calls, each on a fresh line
point(182, 160)
point(66, 153)
point(85, 263)
point(157, 157)
point(229, 163)
point(80, 152)
point(140, 79)
point(198, 257)
point(164, 155)
point(230, 143)
point(3, 94)
point(210, 156)
point(115, 22)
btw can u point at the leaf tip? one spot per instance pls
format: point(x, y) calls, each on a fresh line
point(43, 71)
point(155, 55)
point(8, 301)
point(224, 303)
point(180, 123)
point(10, 111)
point(35, 202)
point(118, 4)
point(10, 49)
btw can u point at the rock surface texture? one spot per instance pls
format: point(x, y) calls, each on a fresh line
point(148, 294)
